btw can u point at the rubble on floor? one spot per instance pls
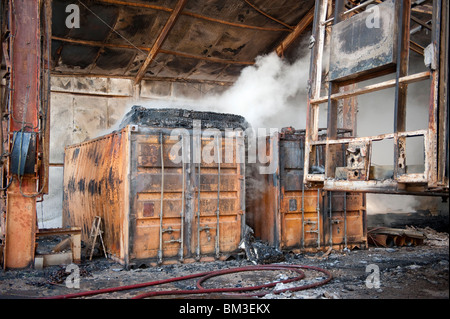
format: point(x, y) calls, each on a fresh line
point(417, 272)
point(433, 238)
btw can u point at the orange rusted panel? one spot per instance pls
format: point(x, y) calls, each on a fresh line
point(149, 200)
point(95, 184)
point(347, 221)
point(20, 225)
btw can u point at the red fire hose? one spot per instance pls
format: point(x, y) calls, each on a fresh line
point(207, 275)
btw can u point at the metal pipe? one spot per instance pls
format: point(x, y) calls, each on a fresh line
point(303, 214)
point(330, 213)
point(302, 152)
point(162, 201)
point(183, 172)
point(318, 218)
point(362, 5)
point(198, 210)
point(345, 221)
point(219, 159)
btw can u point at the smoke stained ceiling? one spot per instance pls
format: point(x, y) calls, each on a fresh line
point(210, 40)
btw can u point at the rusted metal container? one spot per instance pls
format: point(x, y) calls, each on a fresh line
point(291, 216)
point(155, 209)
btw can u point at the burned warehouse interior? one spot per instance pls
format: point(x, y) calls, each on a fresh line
point(224, 149)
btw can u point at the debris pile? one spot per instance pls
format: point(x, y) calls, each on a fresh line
point(257, 251)
point(388, 237)
point(59, 276)
point(433, 238)
point(409, 236)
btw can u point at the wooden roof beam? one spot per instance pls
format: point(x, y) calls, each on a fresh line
point(193, 15)
point(160, 40)
point(300, 27)
point(267, 15)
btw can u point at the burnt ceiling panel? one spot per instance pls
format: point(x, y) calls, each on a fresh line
point(135, 65)
point(138, 26)
point(210, 39)
point(97, 19)
point(234, 11)
point(77, 57)
point(114, 61)
point(287, 11)
point(208, 71)
point(231, 72)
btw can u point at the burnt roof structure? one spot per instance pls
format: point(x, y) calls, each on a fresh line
point(202, 40)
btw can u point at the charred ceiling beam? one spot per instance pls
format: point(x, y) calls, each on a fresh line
point(416, 47)
point(301, 26)
point(198, 57)
point(268, 16)
point(422, 23)
point(102, 48)
point(161, 38)
point(426, 9)
point(147, 49)
point(193, 15)
point(151, 78)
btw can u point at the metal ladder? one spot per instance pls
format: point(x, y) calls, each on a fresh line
point(96, 232)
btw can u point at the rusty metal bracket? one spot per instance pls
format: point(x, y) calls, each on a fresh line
point(207, 230)
point(358, 160)
point(169, 230)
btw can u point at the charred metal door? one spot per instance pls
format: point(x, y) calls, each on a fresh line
point(218, 205)
point(293, 216)
point(184, 210)
point(299, 208)
point(313, 218)
point(157, 198)
point(96, 183)
point(345, 227)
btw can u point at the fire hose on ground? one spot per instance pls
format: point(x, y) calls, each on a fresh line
point(204, 276)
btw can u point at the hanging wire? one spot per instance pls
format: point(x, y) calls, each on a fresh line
point(111, 28)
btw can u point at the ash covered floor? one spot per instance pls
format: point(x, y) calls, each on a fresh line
point(416, 272)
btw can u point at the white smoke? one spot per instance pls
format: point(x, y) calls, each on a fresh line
point(271, 93)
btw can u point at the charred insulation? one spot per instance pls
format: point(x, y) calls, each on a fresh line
point(181, 118)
